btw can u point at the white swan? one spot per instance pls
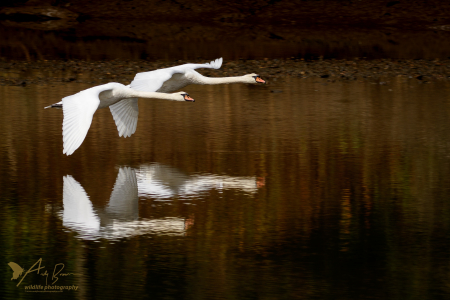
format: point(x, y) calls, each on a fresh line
point(164, 182)
point(120, 218)
point(172, 79)
point(79, 109)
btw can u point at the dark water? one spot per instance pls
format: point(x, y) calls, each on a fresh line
point(322, 191)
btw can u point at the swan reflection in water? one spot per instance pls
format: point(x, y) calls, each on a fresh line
point(120, 218)
point(164, 183)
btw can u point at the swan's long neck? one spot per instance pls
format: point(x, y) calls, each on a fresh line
point(155, 95)
point(220, 80)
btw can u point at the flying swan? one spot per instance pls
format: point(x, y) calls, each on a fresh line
point(79, 109)
point(171, 79)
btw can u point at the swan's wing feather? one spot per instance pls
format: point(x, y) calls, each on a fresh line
point(125, 114)
point(152, 81)
point(78, 211)
point(124, 200)
point(78, 111)
point(214, 64)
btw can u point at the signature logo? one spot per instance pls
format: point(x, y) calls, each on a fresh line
point(16, 269)
point(56, 275)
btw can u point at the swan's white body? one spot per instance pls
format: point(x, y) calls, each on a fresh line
point(171, 79)
point(79, 110)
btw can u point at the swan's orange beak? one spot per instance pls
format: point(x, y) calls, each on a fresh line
point(260, 182)
point(259, 80)
point(188, 98)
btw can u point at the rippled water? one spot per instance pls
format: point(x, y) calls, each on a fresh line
point(315, 191)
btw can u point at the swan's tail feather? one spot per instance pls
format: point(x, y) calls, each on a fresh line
point(56, 105)
point(216, 64)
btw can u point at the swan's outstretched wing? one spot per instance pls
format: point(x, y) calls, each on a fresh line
point(160, 181)
point(125, 114)
point(78, 211)
point(124, 199)
point(152, 81)
point(78, 112)
point(214, 64)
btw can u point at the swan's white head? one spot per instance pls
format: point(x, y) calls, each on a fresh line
point(183, 96)
point(254, 78)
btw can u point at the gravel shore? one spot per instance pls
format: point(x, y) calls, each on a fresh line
point(97, 72)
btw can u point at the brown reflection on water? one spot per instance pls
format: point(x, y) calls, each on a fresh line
point(354, 202)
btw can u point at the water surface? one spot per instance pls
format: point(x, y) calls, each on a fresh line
point(321, 191)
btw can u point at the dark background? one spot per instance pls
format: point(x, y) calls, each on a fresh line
point(183, 29)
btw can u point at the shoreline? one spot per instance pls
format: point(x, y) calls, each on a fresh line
point(21, 73)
